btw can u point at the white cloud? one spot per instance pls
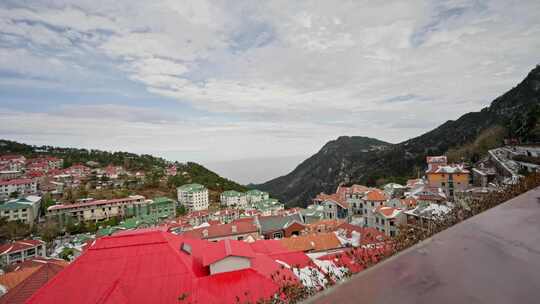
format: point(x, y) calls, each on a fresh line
point(322, 68)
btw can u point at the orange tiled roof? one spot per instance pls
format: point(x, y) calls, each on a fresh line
point(409, 202)
point(375, 195)
point(312, 242)
point(12, 279)
point(387, 211)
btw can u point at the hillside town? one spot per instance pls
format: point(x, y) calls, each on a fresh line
point(241, 247)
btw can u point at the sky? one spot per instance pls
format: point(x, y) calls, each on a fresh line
point(213, 81)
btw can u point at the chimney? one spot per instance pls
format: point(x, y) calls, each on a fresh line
point(234, 229)
point(355, 238)
point(205, 233)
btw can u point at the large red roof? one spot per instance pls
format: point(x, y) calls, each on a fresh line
point(152, 267)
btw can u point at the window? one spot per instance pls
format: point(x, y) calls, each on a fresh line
point(277, 235)
point(382, 221)
point(391, 223)
point(392, 233)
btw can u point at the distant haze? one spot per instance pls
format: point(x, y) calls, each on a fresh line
point(256, 170)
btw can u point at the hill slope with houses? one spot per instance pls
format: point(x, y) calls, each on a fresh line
point(513, 115)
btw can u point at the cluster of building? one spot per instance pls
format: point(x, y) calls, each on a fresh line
point(418, 202)
point(20, 176)
point(195, 197)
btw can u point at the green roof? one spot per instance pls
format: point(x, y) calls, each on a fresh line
point(267, 204)
point(232, 193)
point(256, 192)
point(163, 200)
point(192, 188)
point(13, 206)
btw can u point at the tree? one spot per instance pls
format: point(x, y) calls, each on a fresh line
point(46, 202)
point(181, 210)
point(13, 230)
point(49, 230)
point(14, 194)
point(67, 253)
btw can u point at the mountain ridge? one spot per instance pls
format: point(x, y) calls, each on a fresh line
point(516, 111)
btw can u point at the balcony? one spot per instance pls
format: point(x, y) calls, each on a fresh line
point(493, 257)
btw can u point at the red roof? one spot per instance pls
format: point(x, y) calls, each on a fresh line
point(19, 245)
point(336, 198)
point(222, 230)
point(159, 267)
point(388, 212)
point(34, 174)
point(96, 202)
point(19, 181)
point(7, 157)
point(409, 202)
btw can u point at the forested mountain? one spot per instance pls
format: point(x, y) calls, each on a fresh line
point(514, 114)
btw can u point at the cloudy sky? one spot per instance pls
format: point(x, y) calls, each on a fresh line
point(225, 80)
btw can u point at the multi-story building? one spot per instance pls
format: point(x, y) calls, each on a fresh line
point(233, 198)
point(95, 210)
point(21, 186)
point(161, 207)
point(355, 197)
point(388, 219)
point(254, 196)
point(20, 251)
point(193, 196)
point(269, 206)
point(45, 163)
point(25, 209)
point(373, 199)
point(335, 207)
point(449, 177)
point(78, 170)
point(10, 174)
point(12, 162)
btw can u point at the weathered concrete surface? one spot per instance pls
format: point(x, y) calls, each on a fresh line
point(493, 257)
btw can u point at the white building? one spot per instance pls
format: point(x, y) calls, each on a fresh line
point(25, 209)
point(233, 198)
point(94, 210)
point(193, 196)
point(254, 196)
point(20, 251)
point(388, 219)
point(21, 186)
